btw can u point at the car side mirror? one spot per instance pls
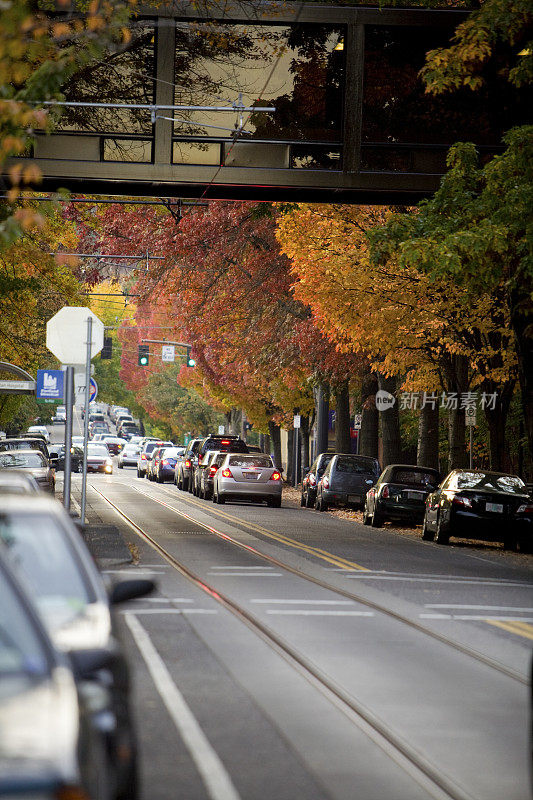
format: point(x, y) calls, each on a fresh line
point(87, 663)
point(123, 591)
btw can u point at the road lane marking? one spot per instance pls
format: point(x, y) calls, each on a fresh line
point(238, 566)
point(474, 608)
point(304, 602)
point(248, 574)
point(216, 779)
point(315, 612)
point(518, 627)
point(171, 610)
point(439, 579)
point(482, 617)
point(317, 552)
point(162, 600)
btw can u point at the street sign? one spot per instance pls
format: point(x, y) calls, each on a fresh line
point(93, 390)
point(49, 384)
point(297, 420)
point(79, 389)
point(66, 334)
point(221, 430)
point(357, 420)
point(17, 387)
point(168, 353)
point(470, 415)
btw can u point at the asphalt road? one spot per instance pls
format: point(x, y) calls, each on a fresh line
point(292, 654)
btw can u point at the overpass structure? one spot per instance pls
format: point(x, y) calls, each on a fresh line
point(351, 120)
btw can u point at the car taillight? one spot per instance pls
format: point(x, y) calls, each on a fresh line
point(226, 473)
point(385, 493)
point(525, 509)
point(212, 470)
point(312, 480)
point(460, 500)
point(275, 476)
point(325, 483)
point(187, 464)
point(143, 457)
point(225, 441)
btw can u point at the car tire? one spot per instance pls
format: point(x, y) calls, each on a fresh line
point(427, 535)
point(303, 501)
point(510, 543)
point(184, 485)
point(221, 499)
point(376, 520)
point(138, 474)
point(366, 516)
point(275, 502)
point(215, 497)
point(119, 465)
point(441, 536)
point(308, 502)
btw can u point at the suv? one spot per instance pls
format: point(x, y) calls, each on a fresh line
point(185, 464)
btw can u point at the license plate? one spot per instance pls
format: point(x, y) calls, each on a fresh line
point(354, 498)
point(250, 476)
point(496, 507)
point(415, 495)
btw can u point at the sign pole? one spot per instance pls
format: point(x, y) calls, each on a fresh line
point(86, 419)
point(471, 444)
point(69, 402)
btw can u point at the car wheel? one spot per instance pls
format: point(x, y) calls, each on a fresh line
point(510, 543)
point(441, 536)
point(275, 502)
point(221, 499)
point(119, 465)
point(427, 535)
point(215, 497)
point(309, 503)
point(138, 474)
point(366, 517)
point(184, 484)
point(376, 520)
point(303, 501)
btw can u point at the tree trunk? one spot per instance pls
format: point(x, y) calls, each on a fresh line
point(290, 454)
point(496, 420)
point(369, 433)
point(304, 444)
point(457, 455)
point(390, 424)
point(267, 445)
point(322, 419)
point(521, 323)
point(428, 437)
point(343, 442)
point(235, 421)
point(275, 436)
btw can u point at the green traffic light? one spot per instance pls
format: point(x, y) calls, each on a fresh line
point(191, 362)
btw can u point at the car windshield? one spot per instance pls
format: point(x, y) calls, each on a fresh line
point(97, 450)
point(489, 482)
point(22, 459)
point(40, 549)
point(21, 649)
point(250, 461)
point(417, 476)
point(353, 464)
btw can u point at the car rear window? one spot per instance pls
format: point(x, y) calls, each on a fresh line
point(250, 461)
point(488, 482)
point(354, 465)
point(418, 476)
point(22, 459)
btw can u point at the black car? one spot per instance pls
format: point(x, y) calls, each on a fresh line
point(346, 481)
point(185, 464)
point(311, 478)
point(53, 739)
point(475, 504)
point(222, 443)
point(57, 458)
point(400, 493)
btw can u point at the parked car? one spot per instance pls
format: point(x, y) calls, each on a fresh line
point(32, 462)
point(61, 415)
point(207, 475)
point(203, 463)
point(475, 504)
point(99, 458)
point(128, 456)
point(57, 458)
point(41, 430)
point(224, 443)
point(185, 464)
point(53, 562)
point(53, 744)
point(400, 493)
point(251, 477)
point(346, 480)
point(146, 454)
point(13, 481)
point(25, 443)
point(164, 469)
point(311, 478)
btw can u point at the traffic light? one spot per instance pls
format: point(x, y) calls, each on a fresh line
point(144, 355)
point(107, 349)
point(190, 361)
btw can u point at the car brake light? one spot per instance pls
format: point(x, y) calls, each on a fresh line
point(226, 473)
point(187, 464)
point(325, 483)
point(312, 480)
point(225, 441)
point(459, 500)
point(275, 476)
point(385, 493)
point(212, 470)
point(525, 509)
point(143, 456)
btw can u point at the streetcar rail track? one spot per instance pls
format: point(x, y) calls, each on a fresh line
point(439, 785)
point(350, 595)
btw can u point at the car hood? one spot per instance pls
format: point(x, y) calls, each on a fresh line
point(39, 727)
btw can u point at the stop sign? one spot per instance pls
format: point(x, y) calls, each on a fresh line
point(66, 334)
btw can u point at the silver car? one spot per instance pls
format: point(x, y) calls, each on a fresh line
point(251, 477)
point(128, 456)
point(32, 462)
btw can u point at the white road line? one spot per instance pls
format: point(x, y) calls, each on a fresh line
point(305, 602)
point(474, 608)
point(308, 612)
point(475, 617)
point(248, 574)
point(171, 610)
point(213, 773)
point(238, 566)
point(162, 600)
point(466, 581)
point(131, 570)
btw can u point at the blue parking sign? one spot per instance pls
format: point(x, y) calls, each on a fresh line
point(49, 384)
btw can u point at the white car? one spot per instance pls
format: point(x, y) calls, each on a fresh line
point(41, 430)
point(128, 456)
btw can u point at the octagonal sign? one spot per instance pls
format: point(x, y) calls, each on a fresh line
point(66, 334)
